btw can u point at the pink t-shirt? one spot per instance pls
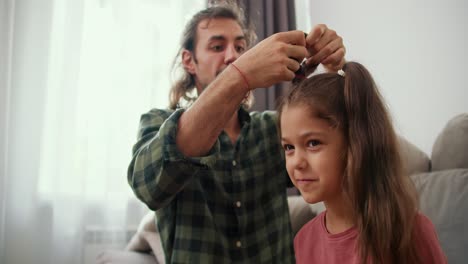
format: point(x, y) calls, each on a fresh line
point(313, 243)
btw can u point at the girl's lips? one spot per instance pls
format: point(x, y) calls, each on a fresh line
point(305, 181)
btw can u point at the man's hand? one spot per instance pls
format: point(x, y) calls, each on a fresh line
point(274, 59)
point(325, 47)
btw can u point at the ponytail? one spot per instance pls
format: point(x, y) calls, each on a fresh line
point(384, 200)
point(182, 89)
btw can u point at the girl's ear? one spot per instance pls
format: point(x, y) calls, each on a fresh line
point(188, 61)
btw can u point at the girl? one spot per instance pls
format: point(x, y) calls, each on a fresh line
point(340, 148)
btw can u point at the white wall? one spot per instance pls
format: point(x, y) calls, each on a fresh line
point(416, 50)
point(5, 46)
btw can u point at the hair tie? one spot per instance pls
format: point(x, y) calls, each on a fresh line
point(341, 72)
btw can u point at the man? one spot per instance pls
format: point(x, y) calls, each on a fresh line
point(215, 174)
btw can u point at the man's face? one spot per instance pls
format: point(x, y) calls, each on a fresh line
point(219, 42)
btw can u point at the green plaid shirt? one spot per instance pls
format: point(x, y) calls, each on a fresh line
point(229, 206)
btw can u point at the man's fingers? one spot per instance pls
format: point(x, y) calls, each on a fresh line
point(315, 35)
point(289, 75)
point(328, 36)
point(295, 37)
point(296, 52)
point(293, 65)
point(326, 51)
point(336, 59)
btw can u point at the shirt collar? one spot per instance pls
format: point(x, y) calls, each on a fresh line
point(244, 116)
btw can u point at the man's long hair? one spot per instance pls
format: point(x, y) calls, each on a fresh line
point(383, 199)
point(185, 83)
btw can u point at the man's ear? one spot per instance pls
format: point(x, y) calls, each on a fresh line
point(188, 61)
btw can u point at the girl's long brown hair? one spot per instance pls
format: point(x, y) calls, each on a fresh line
point(383, 198)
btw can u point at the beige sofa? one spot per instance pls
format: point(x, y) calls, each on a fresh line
point(442, 182)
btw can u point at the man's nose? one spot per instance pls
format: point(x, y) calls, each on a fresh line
point(230, 54)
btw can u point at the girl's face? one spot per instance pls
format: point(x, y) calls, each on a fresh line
point(315, 154)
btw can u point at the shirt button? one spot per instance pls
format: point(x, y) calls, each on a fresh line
point(238, 244)
point(238, 204)
point(234, 163)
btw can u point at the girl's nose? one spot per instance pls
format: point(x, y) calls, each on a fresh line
point(299, 162)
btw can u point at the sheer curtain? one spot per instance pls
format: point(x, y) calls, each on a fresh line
point(78, 75)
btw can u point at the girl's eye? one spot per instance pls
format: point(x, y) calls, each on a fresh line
point(287, 147)
point(313, 143)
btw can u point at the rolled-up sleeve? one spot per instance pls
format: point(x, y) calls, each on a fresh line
point(158, 170)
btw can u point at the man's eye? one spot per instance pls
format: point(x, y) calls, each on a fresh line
point(240, 49)
point(217, 48)
point(314, 143)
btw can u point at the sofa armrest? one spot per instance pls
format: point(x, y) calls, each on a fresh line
point(147, 238)
point(125, 257)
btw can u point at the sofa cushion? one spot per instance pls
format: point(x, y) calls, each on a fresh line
point(450, 150)
point(299, 212)
point(414, 160)
point(443, 198)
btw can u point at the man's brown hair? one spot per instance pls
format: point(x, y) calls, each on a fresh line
point(184, 84)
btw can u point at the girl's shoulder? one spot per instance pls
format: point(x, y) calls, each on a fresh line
point(424, 230)
point(315, 225)
point(423, 223)
point(427, 241)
